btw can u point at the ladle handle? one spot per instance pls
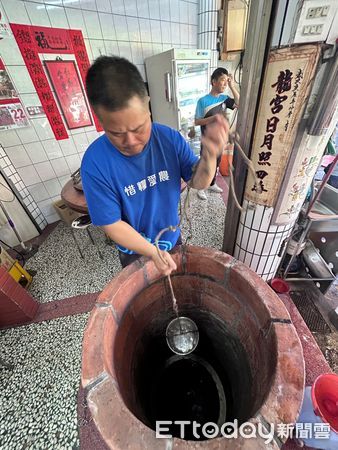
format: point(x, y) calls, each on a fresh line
point(170, 228)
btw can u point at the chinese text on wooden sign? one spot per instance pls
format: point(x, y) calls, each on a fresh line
point(286, 86)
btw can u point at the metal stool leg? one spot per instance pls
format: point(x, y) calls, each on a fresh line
point(94, 243)
point(77, 244)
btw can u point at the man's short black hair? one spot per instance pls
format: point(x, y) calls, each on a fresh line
point(218, 73)
point(112, 81)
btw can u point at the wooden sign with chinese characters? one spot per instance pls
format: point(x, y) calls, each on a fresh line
point(286, 86)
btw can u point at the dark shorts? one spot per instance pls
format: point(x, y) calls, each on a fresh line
point(126, 259)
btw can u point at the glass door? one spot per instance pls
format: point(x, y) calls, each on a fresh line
point(192, 82)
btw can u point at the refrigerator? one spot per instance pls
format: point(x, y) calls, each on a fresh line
point(177, 78)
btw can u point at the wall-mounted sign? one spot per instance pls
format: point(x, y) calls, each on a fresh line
point(81, 56)
point(35, 110)
point(287, 83)
point(25, 40)
point(51, 40)
point(12, 113)
point(68, 90)
point(32, 42)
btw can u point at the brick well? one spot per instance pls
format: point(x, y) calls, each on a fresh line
point(245, 333)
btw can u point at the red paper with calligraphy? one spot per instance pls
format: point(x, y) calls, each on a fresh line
point(25, 40)
point(33, 40)
point(68, 89)
point(83, 63)
point(51, 40)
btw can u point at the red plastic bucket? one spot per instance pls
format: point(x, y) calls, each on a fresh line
point(225, 164)
point(324, 394)
point(279, 285)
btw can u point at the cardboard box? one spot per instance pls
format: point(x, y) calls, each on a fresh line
point(66, 214)
point(6, 260)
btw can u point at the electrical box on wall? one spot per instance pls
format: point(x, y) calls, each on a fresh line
point(305, 21)
point(232, 19)
point(315, 20)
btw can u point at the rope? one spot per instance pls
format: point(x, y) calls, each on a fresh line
point(170, 228)
point(235, 138)
point(173, 228)
point(232, 189)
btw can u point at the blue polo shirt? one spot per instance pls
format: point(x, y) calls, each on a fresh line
point(142, 190)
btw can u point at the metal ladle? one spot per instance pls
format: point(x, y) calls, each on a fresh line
point(182, 333)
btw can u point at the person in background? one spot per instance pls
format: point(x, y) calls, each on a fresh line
point(216, 102)
point(131, 175)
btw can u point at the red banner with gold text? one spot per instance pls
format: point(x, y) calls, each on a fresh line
point(24, 35)
point(83, 63)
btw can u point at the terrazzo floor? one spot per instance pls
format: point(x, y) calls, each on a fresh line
point(39, 394)
point(38, 397)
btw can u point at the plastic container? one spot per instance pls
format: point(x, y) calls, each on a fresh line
point(224, 165)
point(324, 396)
point(279, 285)
point(317, 410)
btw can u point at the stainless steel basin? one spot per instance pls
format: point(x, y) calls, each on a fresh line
point(328, 201)
point(324, 213)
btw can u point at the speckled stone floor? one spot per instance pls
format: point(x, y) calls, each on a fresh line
point(38, 397)
point(61, 272)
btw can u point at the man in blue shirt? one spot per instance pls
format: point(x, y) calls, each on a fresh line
point(216, 102)
point(131, 175)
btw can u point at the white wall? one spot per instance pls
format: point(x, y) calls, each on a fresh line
point(36, 162)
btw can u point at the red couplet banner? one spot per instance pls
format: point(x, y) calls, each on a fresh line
point(33, 40)
point(25, 40)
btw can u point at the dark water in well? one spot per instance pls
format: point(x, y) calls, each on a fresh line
point(186, 390)
point(212, 384)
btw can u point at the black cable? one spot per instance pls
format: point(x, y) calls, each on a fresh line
point(239, 68)
point(237, 82)
point(12, 248)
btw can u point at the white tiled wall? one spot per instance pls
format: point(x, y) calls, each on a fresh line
point(134, 29)
point(207, 29)
point(258, 243)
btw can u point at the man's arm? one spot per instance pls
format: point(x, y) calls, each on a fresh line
point(126, 236)
point(204, 121)
point(234, 91)
point(214, 140)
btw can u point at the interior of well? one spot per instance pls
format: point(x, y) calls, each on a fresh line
point(227, 377)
